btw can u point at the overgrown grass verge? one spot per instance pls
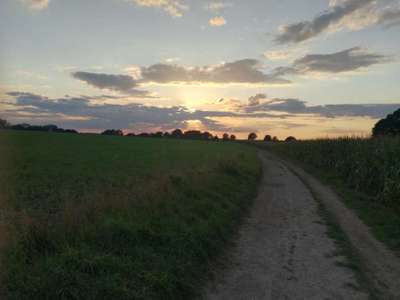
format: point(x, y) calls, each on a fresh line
point(116, 218)
point(382, 216)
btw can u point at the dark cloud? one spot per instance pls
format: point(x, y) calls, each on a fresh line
point(296, 106)
point(80, 112)
point(255, 100)
point(241, 71)
point(245, 71)
point(301, 31)
point(389, 17)
point(121, 83)
point(344, 61)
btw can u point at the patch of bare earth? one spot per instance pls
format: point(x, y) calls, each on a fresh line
point(283, 250)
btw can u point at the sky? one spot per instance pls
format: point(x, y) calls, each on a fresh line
point(315, 68)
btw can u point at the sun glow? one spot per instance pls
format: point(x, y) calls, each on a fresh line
point(194, 97)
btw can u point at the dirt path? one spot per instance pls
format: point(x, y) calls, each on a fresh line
point(283, 251)
point(380, 265)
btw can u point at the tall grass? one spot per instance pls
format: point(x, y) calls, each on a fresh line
point(365, 172)
point(96, 217)
point(371, 166)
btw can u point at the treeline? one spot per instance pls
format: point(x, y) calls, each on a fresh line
point(176, 134)
point(27, 127)
point(194, 135)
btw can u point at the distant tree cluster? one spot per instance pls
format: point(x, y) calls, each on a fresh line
point(4, 124)
point(116, 132)
point(268, 138)
point(290, 139)
point(388, 126)
point(46, 128)
point(175, 134)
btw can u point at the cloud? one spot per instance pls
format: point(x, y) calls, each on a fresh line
point(245, 71)
point(302, 31)
point(217, 6)
point(120, 83)
point(217, 21)
point(37, 4)
point(343, 61)
point(100, 116)
point(277, 54)
point(83, 112)
point(296, 106)
point(255, 100)
point(389, 17)
point(175, 8)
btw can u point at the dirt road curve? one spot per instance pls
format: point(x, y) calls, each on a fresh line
point(283, 251)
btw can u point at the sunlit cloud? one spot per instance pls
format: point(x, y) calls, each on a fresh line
point(278, 54)
point(217, 21)
point(37, 4)
point(171, 60)
point(175, 8)
point(217, 6)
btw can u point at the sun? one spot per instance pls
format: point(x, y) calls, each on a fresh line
point(195, 97)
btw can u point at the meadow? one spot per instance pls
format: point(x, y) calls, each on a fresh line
point(104, 217)
point(366, 172)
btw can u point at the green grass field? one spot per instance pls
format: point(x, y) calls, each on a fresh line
point(365, 172)
point(96, 217)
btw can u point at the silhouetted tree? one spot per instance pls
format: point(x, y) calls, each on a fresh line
point(167, 135)
point(207, 135)
point(70, 131)
point(22, 126)
point(275, 139)
point(144, 135)
point(177, 133)
point(131, 134)
point(216, 138)
point(197, 135)
point(267, 138)
point(4, 124)
point(388, 126)
point(233, 137)
point(158, 134)
point(46, 128)
point(290, 139)
point(225, 137)
point(252, 136)
point(116, 132)
point(50, 128)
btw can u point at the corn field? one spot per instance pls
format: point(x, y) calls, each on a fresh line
point(369, 166)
